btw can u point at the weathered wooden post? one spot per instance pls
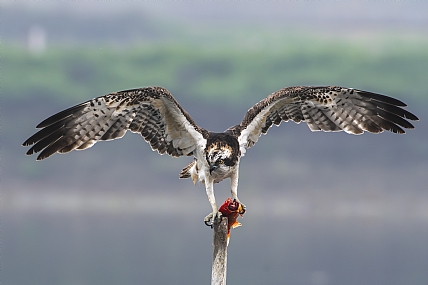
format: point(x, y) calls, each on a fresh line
point(220, 241)
point(230, 210)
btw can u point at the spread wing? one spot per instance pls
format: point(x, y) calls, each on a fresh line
point(329, 109)
point(151, 111)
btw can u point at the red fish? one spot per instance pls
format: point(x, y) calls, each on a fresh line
point(231, 209)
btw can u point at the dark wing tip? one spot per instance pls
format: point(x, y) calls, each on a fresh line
point(27, 142)
point(40, 157)
point(382, 98)
point(30, 151)
point(51, 130)
point(61, 115)
point(411, 116)
point(391, 111)
point(43, 155)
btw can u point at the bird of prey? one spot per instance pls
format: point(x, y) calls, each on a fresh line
point(168, 128)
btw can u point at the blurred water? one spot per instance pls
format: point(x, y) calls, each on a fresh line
point(83, 239)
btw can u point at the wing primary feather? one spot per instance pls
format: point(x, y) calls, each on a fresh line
point(43, 133)
point(62, 115)
point(328, 108)
point(373, 105)
point(382, 98)
point(45, 142)
point(151, 111)
point(393, 118)
point(52, 148)
point(385, 124)
point(399, 111)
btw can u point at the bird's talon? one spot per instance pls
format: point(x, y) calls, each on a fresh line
point(210, 218)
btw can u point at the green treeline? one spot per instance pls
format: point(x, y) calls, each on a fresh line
point(210, 72)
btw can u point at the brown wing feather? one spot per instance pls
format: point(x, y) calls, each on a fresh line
point(151, 111)
point(324, 108)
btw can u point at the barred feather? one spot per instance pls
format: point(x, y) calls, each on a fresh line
point(151, 111)
point(328, 109)
point(157, 116)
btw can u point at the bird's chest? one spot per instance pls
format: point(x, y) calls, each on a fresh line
point(221, 174)
point(215, 176)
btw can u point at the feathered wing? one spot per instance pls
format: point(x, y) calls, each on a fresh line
point(150, 111)
point(329, 109)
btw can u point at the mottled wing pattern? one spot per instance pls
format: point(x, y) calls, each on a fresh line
point(151, 111)
point(329, 109)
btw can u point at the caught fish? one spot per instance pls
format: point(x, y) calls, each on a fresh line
point(232, 209)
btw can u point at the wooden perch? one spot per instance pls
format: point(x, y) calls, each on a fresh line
point(230, 210)
point(220, 241)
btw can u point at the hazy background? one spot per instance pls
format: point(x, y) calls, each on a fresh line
point(322, 208)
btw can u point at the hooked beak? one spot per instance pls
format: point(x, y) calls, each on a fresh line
point(213, 167)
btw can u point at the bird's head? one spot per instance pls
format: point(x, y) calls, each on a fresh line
point(220, 158)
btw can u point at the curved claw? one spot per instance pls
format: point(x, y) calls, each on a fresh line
point(209, 219)
point(209, 223)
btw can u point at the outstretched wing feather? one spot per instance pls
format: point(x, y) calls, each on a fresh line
point(151, 111)
point(324, 108)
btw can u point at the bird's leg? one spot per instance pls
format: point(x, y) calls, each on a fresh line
point(209, 219)
point(234, 190)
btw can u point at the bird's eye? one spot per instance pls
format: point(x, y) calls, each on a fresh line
point(220, 161)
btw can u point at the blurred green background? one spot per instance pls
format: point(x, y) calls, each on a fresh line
point(322, 208)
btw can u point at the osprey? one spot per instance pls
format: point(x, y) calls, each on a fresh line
point(156, 115)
